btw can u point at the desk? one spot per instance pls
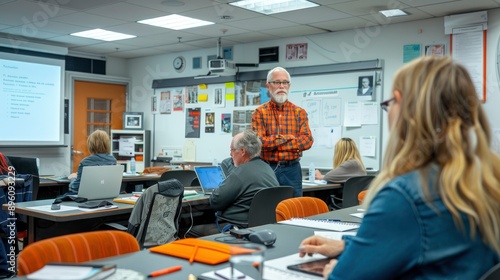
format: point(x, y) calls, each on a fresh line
point(50, 188)
point(43, 225)
point(287, 243)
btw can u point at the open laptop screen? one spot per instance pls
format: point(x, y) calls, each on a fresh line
point(210, 177)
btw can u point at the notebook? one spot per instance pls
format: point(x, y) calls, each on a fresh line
point(321, 224)
point(210, 177)
point(100, 182)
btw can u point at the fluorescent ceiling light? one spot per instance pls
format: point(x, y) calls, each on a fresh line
point(269, 7)
point(175, 22)
point(104, 35)
point(393, 13)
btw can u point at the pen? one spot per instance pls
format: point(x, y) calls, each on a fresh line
point(328, 220)
point(191, 259)
point(165, 271)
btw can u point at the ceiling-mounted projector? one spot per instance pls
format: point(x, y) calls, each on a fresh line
point(220, 65)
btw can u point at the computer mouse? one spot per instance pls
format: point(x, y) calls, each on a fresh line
point(265, 236)
point(55, 206)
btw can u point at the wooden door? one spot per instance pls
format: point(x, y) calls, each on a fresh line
point(96, 106)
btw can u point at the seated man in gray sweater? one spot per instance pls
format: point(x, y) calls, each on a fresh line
point(251, 174)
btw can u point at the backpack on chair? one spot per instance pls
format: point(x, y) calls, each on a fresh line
point(155, 217)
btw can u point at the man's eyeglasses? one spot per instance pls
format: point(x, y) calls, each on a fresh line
point(278, 83)
point(385, 104)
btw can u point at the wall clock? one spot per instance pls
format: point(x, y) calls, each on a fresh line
point(179, 63)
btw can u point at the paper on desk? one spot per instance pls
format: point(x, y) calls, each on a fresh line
point(226, 272)
point(98, 209)
point(333, 234)
point(358, 215)
point(46, 208)
point(55, 272)
point(277, 268)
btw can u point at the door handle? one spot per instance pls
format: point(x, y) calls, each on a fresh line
point(76, 152)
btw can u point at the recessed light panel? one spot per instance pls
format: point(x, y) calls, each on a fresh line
point(393, 13)
point(104, 35)
point(175, 22)
point(269, 7)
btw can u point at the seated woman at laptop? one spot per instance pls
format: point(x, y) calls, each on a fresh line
point(433, 211)
point(99, 146)
point(346, 163)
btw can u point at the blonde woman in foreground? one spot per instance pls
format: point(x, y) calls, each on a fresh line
point(346, 163)
point(434, 210)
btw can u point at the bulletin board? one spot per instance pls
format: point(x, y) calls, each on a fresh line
point(337, 109)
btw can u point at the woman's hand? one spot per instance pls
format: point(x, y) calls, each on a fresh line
point(321, 245)
point(327, 270)
point(317, 175)
point(71, 176)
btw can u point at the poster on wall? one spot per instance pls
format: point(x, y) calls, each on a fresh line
point(225, 120)
point(192, 95)
point(219, 98)
point(165, 102)
point(296, 52)
point(193, 122)
point(154, 104)
point(178, 99)
point(210, 122)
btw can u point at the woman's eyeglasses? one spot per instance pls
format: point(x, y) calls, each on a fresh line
point(385, 104)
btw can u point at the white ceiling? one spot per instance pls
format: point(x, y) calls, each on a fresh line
point(51, 21)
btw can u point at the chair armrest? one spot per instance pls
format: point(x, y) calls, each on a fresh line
point(6, 181)
point(334, 200)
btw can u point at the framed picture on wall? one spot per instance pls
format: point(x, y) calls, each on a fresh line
point(132, 120)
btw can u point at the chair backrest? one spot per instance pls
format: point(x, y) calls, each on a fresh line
point(75, 248)
point(492, 274)
point(263, 207)
point(186, 177)
point(27, 165)
point(300, 207)
point(155, 217)
point(352, 187)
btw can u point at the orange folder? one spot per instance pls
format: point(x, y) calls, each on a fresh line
point(197, 250)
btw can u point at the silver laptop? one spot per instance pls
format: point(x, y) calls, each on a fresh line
point(100, 182)
point(210, 177)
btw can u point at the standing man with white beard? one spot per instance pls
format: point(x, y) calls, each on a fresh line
point(283, 128)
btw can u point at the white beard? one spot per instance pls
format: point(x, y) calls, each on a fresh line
point(279, 98)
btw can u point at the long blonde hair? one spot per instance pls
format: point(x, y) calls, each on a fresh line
point(345, 149)
point(441, 121)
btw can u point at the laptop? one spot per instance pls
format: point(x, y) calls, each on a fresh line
point(210, 177)
point(100, 182)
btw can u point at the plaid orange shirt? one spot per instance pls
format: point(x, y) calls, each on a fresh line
point(284, 131)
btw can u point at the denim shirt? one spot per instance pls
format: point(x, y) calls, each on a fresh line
point(92, 160)
point(404, 237)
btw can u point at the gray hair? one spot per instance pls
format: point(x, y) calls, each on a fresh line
point(270, 73)
point(250, 142)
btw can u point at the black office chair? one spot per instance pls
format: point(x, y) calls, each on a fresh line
point(186, 177)
point(492, 274)
point(27, 165)
point(263, 207)
point(351, 189)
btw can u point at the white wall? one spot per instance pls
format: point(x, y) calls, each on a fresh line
point(377, 42)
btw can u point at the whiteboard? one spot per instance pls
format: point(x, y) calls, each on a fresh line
point(334, 110)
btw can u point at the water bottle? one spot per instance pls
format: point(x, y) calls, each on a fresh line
point(214, 162)
point(311, 172)
point(132, 165)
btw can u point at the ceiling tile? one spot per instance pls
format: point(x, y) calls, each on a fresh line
point(126, 12)
point(301, 30)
